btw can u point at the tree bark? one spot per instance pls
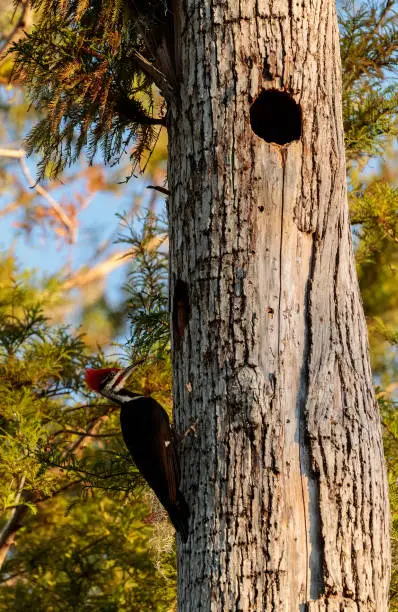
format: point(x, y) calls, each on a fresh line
point(14, 523)
point(285, 477)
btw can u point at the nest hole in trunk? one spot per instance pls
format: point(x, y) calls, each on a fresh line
point(276, 117)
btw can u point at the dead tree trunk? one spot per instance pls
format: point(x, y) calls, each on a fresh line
point(285, 477)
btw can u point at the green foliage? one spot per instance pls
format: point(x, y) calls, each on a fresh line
point(369, 44)
point(147, 289)
point(374, 217)
point(389, 415)
point(82, 63)
point(37, 365)
point(93, 556)
point(85, 539)
point(373, 205)
point(369, 52)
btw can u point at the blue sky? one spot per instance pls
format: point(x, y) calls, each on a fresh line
point(98, 222)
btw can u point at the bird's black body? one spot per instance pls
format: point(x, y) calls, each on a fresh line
point(149, 438)
point(151, 441)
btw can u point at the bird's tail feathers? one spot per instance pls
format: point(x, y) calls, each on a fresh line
point(179, 514)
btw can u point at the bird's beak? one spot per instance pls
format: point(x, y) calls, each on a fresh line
point(119, 380)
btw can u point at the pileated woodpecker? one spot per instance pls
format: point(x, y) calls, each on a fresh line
point(149, 438)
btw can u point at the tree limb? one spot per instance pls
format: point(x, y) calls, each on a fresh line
point(13, 153)
point(160, 189)
point(75, 432)
point(68, 224)
point(20, 155)
point(7, 534)
point(158, 77)
point(88, 275)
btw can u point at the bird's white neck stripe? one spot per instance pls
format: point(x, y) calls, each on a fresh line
point(126, 399)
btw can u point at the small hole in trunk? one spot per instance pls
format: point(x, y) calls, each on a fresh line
point(276, 117)
point(181, 309)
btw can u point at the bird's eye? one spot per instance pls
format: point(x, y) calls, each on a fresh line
point(106, 379)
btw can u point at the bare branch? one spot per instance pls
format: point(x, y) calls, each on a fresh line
point(76, 432)
point(88, 275)
point(158, 77)
point(20, 155)
point(13, 153)
point(13, 576)
point(83, 406)
point(160, 189)
point(82, 440)
point(101, 270)
point(7, 534)
point(69, 225)
point(9, 208)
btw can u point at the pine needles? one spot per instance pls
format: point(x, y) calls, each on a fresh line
point(84, 74)
point(369, 51)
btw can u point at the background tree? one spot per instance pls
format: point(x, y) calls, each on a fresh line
point(376, 37)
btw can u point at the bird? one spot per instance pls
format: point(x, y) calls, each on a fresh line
point(149, 438)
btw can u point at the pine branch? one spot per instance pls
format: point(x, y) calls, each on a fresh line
point(91, 76)
point(24, 22)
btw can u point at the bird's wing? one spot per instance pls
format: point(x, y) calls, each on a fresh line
point(169, 458)
point(152, 444)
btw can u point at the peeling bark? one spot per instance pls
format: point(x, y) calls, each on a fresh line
point(285, 478)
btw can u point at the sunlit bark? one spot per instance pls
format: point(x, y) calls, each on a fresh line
point(285, 477)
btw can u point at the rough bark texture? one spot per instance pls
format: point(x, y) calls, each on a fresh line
point(14, 522)
point(285, 476)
